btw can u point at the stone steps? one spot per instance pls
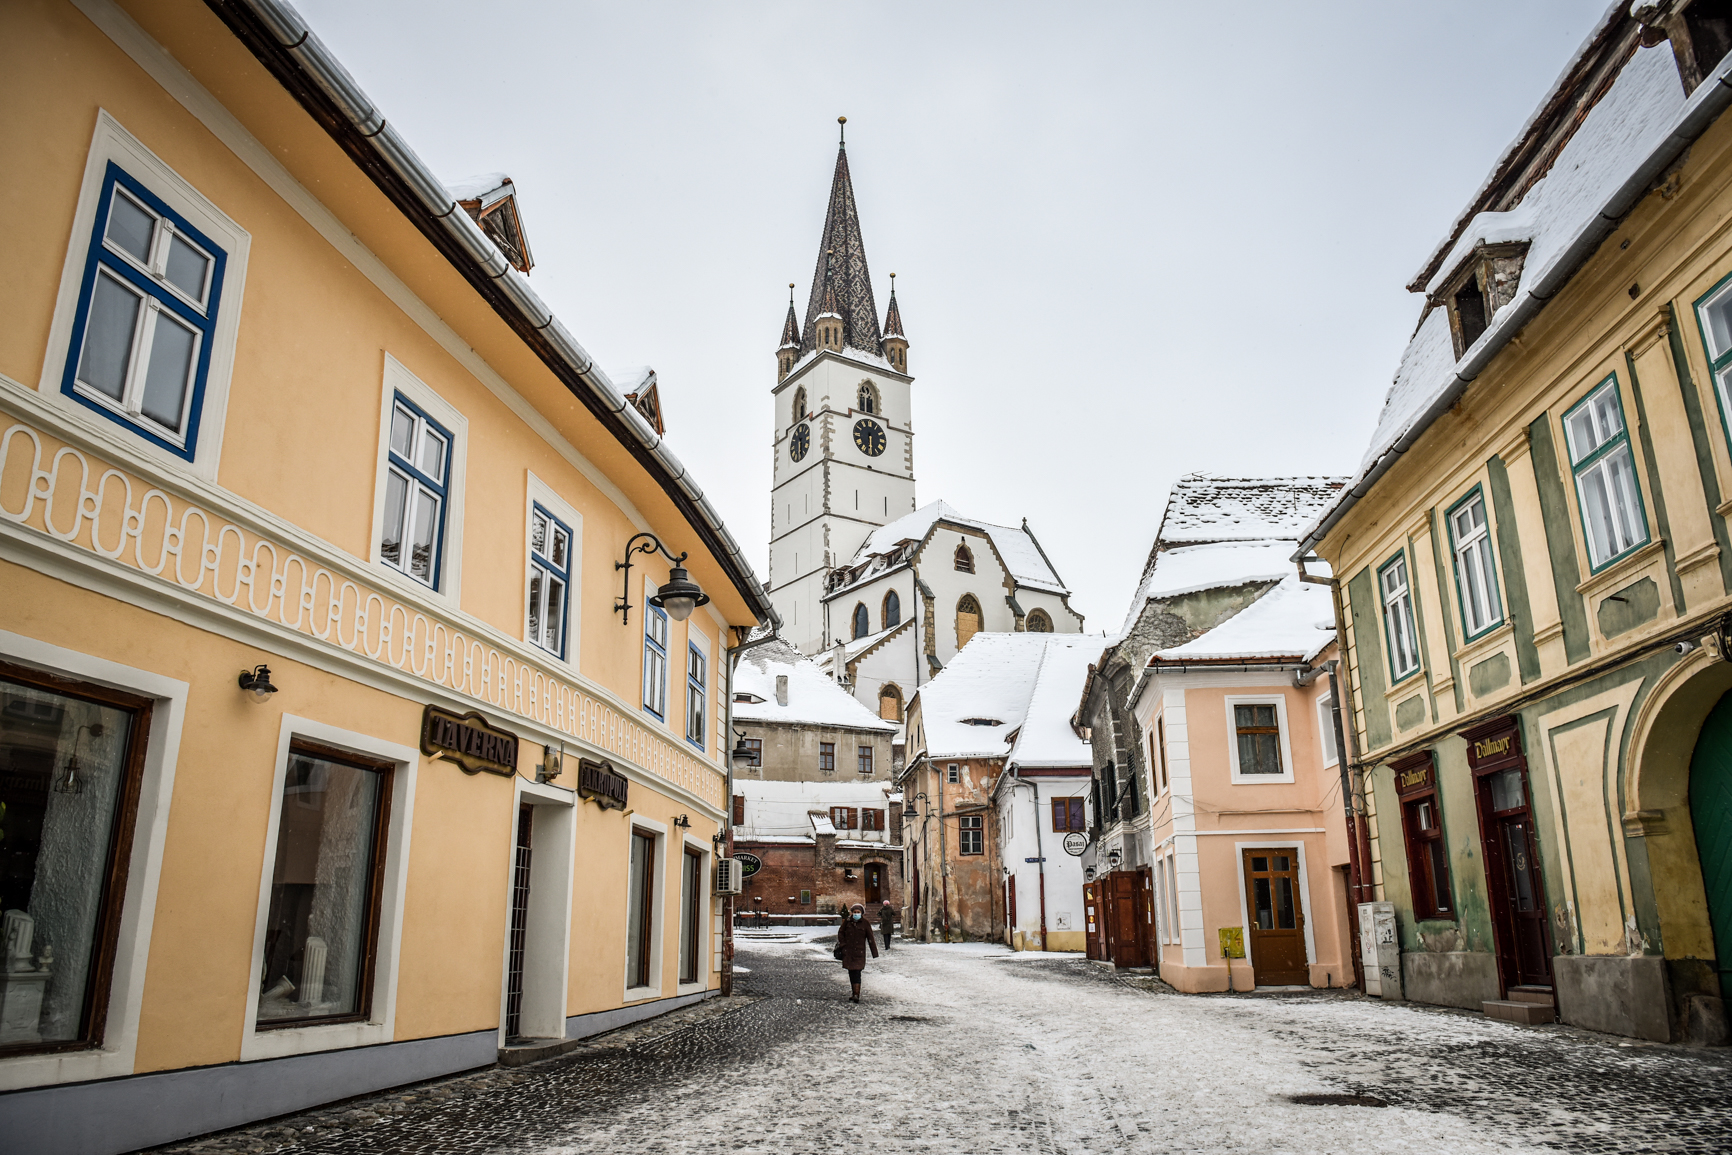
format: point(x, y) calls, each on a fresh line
point(1513, 1011)
point(521, 1051)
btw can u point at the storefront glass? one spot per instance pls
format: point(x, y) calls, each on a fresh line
point(321, 929)
point(67, 784)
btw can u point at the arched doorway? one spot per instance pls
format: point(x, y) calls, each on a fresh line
point(967, 619)
point(1711, 815)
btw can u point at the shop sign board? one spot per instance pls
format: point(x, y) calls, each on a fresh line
point(1075, 844)
point(468, 740)
point(750, 864)
point(1415, 773)
point(601, 782)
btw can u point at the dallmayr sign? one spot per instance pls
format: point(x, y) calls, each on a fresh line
point(469, 741)
point(600, 781)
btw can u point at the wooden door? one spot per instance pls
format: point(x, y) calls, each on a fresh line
point(1146, 916)
point(1010, 910)
point(519, 923)
point(1276, 905)
point(1126, 933)
point(874, 882)
point(1513, 882)
point(1711, 814)
point(1091, 920)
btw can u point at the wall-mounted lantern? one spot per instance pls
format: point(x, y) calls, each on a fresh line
point(257, 682)
point(679, 596)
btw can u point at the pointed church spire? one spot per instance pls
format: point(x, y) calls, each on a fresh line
point(789, 350)
point(841, 270)
point(895, 343)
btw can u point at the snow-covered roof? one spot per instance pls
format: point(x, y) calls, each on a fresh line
point(486, 187)
point(1294, 620)
point(1204, 507)
point(992, 681)
point(1046, 737)
point(800, 809)
point(631, 379)
point(1640, 121)
point(813, 699)
point(1190, 568)
point(1015, 545)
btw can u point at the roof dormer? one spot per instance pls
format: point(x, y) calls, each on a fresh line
point(1486, 281)
point(491, 202)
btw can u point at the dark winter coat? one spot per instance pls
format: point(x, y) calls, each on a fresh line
point(855, 938)
point(886, 919)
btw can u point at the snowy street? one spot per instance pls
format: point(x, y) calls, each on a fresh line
point(972, 1048)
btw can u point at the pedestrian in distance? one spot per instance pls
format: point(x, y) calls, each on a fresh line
point(852, 939)
point(886, 922)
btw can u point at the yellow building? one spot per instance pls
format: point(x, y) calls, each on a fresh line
point(273, 406)
point(1535, 566)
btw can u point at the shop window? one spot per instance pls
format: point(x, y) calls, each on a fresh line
point(549, 580)
point(323, 924)
point(691, 915)
point(1427, 851)
point(640, 916)
point(1067, 815)
point(1610, 501)
point(1398, 622)
point(971, 838)
point(1475, 569)
point(697, 681)
point(417, 477)
point(1039, 622)
point(655, 662)
point(827, 757)
point(865, 753)
point(146, 321)
point(892, 610)
point(70, 767)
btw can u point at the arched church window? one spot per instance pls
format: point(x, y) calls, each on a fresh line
point(868, 398)
point(799, 404)
point(964, 558)
point(1038, 622)
point(892, 610)
point(967, 619)
point(890, 702)
point(862, 621)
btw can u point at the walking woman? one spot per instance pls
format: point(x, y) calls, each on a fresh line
point(852, 939)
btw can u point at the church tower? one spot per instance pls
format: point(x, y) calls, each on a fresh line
point(844, 438)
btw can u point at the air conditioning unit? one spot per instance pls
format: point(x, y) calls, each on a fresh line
point(728, 876)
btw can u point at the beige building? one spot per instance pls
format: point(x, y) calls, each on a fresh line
point(337, 752)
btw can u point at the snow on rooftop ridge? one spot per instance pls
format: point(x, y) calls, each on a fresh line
point(1283, 623)
point(1205, 507)
point(1046, 737)
point(1643, 108)
point(472, 188)
point(991, 678)
point(1015, 545)
point(1212, 565)
point(812, 698)
point(632, 378)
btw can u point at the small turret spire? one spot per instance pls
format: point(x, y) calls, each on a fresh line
point(895, 343)
point(789, 350)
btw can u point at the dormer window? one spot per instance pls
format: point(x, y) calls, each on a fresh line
point(1468, 307)
point(1485, 283)
point(491, 202)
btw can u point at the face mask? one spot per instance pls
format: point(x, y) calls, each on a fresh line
point(856, 916)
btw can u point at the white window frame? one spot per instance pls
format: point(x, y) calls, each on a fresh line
point(398, 379)
point(1597, 460)
point(538, 492)
point(380, 1025)
point(1279, 701)
point(1175, 935)
point(656, 914)
point(1394, 605)
point(650, 615)
point(112, 143)
point(953, 774)
point(138, 902)
point(1475, 566)
point(1326, 730)
point(695, 646)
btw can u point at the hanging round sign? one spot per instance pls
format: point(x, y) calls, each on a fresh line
point(750, 864)
point(1075, 844)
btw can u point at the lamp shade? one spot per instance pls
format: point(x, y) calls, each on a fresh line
point(680, 595)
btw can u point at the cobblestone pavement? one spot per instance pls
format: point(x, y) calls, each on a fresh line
point(968, 1048)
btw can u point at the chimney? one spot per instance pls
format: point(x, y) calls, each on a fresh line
point(781, 689)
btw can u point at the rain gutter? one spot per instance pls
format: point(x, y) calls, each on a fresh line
point(281, 40)
point(1704, 105)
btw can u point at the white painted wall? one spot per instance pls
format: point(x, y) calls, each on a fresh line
point(1019, 812)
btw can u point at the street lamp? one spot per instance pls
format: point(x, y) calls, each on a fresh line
point(743, 755)
point(679, 595)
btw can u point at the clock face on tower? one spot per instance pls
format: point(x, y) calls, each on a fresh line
point(869, 438)
point(799, 441)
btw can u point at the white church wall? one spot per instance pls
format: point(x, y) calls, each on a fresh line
point(1064, 619)
point(938, 568)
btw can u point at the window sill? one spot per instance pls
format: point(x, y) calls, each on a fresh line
point(280, 1042)
point(1406, 686)
point(1260, 779)
point(1470, 652)
point(1622, 568)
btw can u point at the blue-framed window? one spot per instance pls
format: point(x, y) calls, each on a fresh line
point(417, 491)
point(697, 678)
point(146, 319)
point(655, 661)
point(1613, 518)
point(549, 580)
point(1475, 567)
point(1398, 617)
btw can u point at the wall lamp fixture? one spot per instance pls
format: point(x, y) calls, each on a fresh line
point(679, 596)
point(257, 682)
point(683, 822)
point(742, 755)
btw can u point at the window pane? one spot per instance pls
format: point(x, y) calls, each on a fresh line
point(108, 337)
point(402, 431)
point(1259, 864)
point(1506, 790)
point(1717, 321)
point(538, 533)
point(1265, 912)
point(129, 227)
point(1259, 754)
point(658, 628)
point(1627, 507)
point(421, 541)
point(1439, 862)
point(555, 635)
point(536, 591)
point(636, 954)
point(318, 932)
point(186, 268)
point(1284, 919)
point(391, 539)
point(1521, 869)
point(1582, 435)
point(1597, 517)
point(560, 542)
point(62, 763)
point(432, 461)
point(169, 373)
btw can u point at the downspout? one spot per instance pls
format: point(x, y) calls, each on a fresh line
point(733, 656)
point(943, 858)
point(1039, 854)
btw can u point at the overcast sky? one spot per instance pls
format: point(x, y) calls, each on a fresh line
point(1131, 241)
